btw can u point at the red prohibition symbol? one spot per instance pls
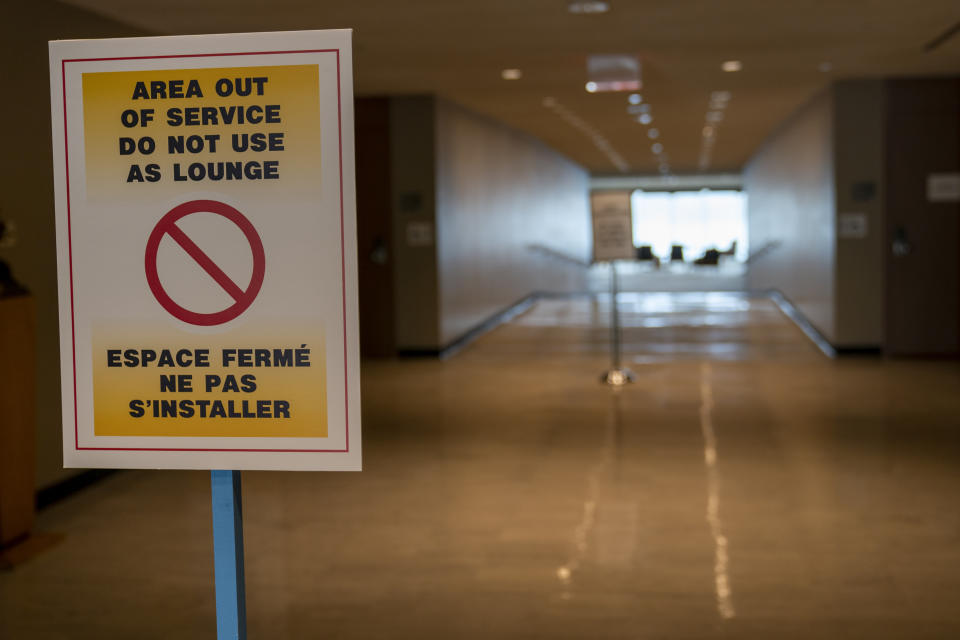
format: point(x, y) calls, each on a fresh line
point(243, 297)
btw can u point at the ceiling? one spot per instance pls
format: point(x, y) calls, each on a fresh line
point(457, 50)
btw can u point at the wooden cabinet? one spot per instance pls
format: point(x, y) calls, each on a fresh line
point(17, 438)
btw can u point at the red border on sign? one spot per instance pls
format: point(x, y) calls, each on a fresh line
point(343, 277)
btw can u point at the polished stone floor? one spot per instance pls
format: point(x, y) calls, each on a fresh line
point(744, 487)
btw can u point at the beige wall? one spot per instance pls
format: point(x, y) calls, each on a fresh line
point(484, 194)
point(790, 189)
point(26, 187)
point(413, 189)
point(498, 192)
point(859, 159)
point(800, 184)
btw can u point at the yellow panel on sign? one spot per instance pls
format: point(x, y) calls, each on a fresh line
point(192, 126)
point(233, 385)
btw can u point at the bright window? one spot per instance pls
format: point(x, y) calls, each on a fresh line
point(696, 220)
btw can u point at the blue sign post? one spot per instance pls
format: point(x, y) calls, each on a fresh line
point(228, 555)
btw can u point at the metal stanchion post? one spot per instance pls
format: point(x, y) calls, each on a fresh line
point(617, 375)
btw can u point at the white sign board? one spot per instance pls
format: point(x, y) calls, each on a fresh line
point(419, 234)
point(943, 187)
point(206, 248)
point(852, 226)
point(612, 226)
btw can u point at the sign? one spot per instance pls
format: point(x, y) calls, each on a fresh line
point(852, 226)
point(242, 298)
point(419, 234)
point(943, 187)
point(206, 247)
point(612, 226)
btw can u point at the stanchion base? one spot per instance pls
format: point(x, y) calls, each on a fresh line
point(618, 377)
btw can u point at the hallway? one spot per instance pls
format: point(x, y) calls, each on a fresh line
point(744, 487)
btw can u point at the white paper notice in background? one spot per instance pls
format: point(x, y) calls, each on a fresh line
point(852, 226)
point(419, 234)
point(612, 226)
point(943, 187)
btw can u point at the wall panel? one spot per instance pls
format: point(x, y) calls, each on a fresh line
point(790, 187)
point(499, 192)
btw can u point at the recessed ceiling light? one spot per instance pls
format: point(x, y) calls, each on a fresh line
point(657, 148)
point(634, 98)
point(591, 87)
point(588, 6)
point(653, 133)
point(826, 67)
point(732, 65)
point(511, 74)
point(645, 118)
point(719, 100)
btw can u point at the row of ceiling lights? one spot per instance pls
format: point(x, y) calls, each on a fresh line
point(716, 108)
point(599, 141)
point(715, 114)
point(640, 110)
point(636, 108)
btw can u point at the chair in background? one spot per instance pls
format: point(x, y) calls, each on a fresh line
point(645, 254)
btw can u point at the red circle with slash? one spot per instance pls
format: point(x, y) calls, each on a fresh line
point(243, 297)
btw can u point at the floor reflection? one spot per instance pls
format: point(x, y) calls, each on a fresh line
point(614, 538)
point(721, 556)
point(666, 327)
point(745, 486)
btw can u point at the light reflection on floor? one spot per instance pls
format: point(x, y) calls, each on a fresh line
point(744, 487)
point(662, 327)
